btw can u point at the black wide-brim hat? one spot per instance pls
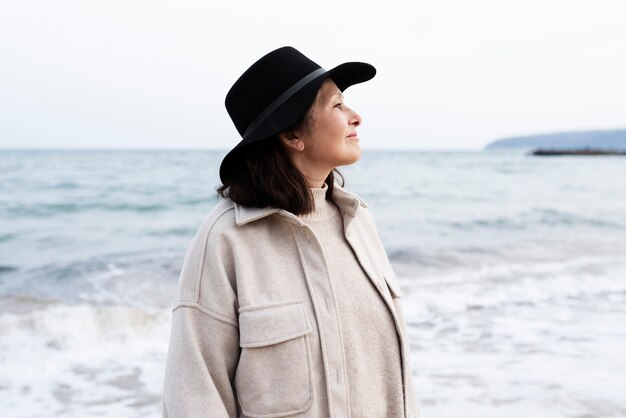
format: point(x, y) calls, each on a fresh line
point(275, 92)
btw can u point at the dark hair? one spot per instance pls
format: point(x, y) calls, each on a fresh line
point(265, 176)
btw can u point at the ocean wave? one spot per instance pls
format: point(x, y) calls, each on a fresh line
point(499, 285)
point(8, 269)
point(414, 256)
point(82, 360)
point(124, 279)
point(51, 209)
point(182, 231)
point(112, 204)
point(7, 237)
point(66, 185)
point(544, 217)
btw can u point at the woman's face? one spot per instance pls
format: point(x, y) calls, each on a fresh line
point(329, 135)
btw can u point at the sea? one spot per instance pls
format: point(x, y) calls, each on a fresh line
point(513, 269)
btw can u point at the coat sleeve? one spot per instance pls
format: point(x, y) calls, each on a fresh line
point(201, 363)
point(204, 339)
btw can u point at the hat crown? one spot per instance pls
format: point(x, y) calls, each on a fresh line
point(263, 82)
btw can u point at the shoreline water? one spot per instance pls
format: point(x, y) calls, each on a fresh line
point(513, 271)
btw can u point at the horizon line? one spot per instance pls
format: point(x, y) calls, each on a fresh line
point(215, 149)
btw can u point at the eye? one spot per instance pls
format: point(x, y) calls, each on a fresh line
point(338, 104)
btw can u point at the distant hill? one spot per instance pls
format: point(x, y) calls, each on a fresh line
point(613, 140)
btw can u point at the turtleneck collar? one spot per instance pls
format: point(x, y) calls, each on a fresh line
point(324, 209)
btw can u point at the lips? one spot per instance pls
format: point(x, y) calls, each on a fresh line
point(353, 134)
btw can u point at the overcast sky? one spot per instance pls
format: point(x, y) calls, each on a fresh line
point(451, 74)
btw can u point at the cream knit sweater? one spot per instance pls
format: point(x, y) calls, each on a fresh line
point(372, 349)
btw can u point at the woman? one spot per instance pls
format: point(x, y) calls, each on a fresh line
point(287, 304)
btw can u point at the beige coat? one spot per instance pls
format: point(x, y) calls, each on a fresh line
point(255, 328)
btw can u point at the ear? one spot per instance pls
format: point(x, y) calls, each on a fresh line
point(291, 140)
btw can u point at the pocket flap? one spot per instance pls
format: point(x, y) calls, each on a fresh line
point(266, 325)
point(392, 282)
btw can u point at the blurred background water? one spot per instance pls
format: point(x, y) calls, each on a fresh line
point(513, 267)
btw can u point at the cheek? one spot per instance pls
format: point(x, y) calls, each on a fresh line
point(338, 124)
point(328, 132)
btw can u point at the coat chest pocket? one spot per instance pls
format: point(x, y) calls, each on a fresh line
point(274, 376)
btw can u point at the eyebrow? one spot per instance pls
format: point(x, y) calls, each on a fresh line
point(337, 94)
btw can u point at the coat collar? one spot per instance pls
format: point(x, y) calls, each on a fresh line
point(347, 203)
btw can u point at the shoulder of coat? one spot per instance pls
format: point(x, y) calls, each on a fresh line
point(221, 217)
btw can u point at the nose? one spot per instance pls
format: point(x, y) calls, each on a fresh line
point(355, 118)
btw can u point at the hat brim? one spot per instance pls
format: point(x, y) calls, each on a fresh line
point(292, 109)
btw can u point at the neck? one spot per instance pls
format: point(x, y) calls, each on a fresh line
point(315, 184)
point(313, 175)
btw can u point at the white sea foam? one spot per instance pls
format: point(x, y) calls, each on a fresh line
point(82, 361)
point(513, 340)
point(515, 283)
